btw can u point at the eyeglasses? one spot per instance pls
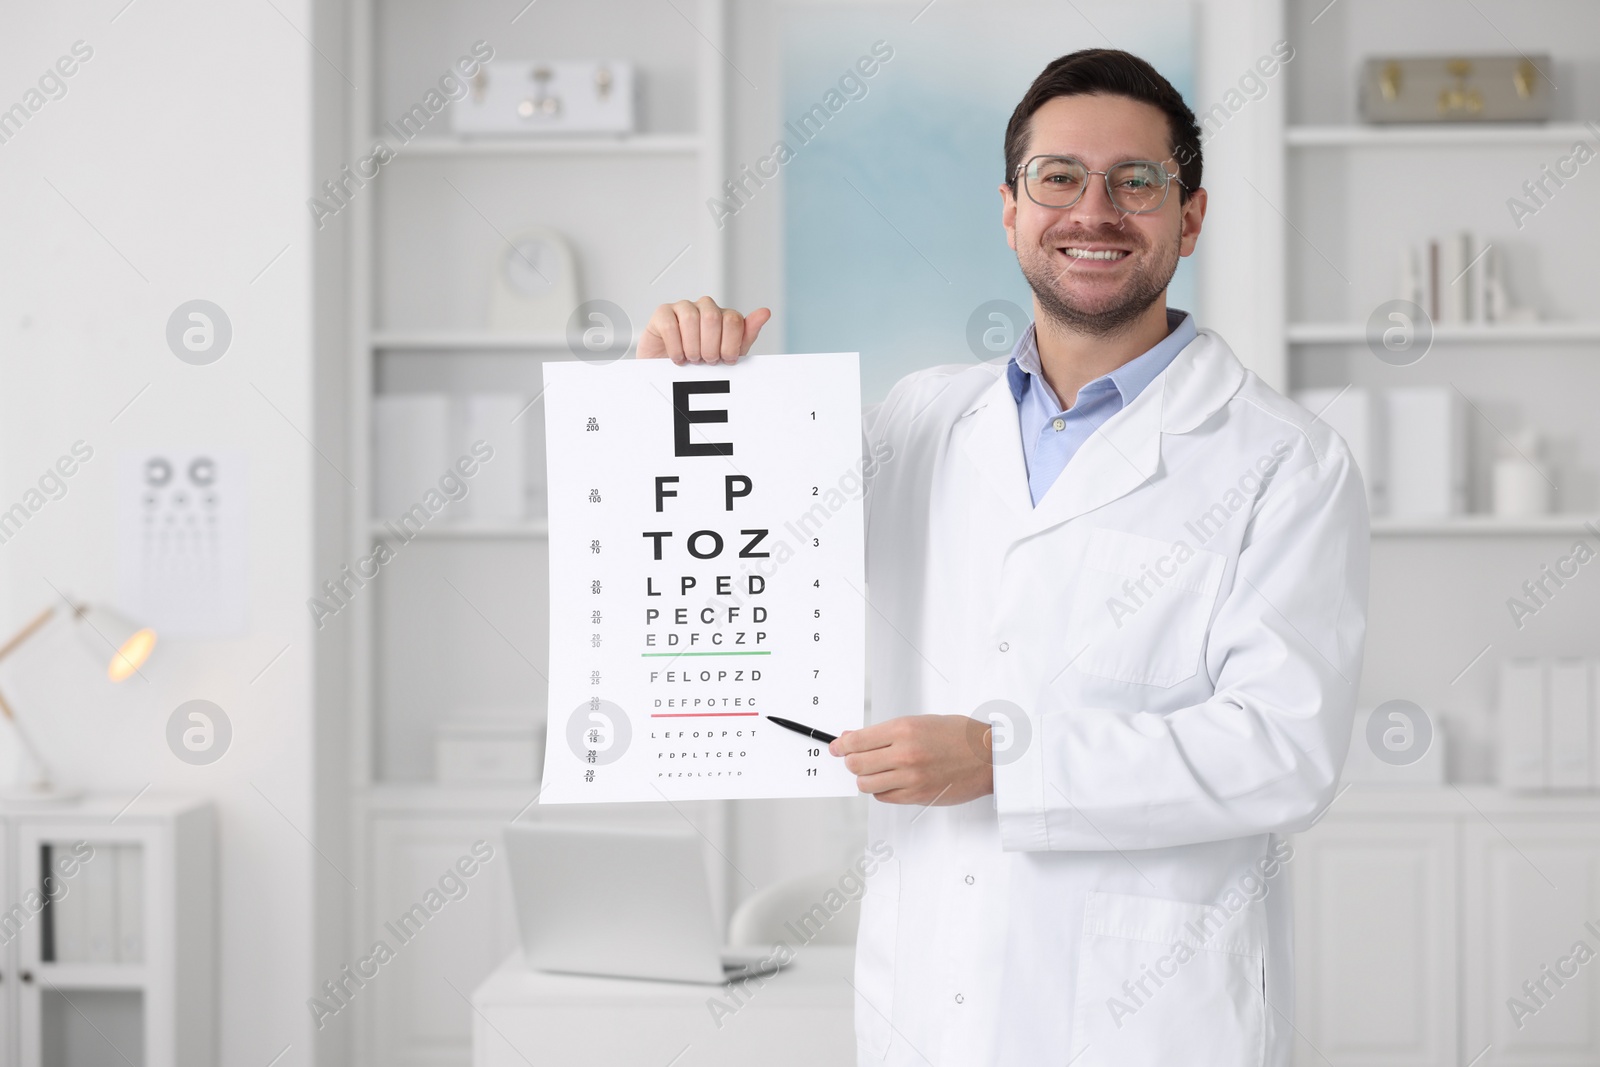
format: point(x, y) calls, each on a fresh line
point(1136, 187)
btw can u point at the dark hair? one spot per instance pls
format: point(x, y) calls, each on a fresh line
point(1108, 72)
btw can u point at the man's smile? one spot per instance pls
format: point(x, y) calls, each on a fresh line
point(1092, 252)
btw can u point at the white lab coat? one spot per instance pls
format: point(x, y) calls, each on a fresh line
point(1169, 735)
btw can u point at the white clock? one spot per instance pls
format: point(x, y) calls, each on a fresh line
point(534, 287)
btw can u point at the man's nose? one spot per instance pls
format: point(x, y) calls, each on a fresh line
point(1094, 207)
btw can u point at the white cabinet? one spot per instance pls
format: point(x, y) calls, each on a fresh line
point(1419, 914)
point(108, 934)
point(1375, 942)
point(1530, 894)
point(8, 972)
point(421, 1016)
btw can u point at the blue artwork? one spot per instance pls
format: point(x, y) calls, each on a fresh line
point(892, 234)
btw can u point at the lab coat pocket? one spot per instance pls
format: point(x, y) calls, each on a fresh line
point(1141, 608)
point(876, 942)
point(1164, 982)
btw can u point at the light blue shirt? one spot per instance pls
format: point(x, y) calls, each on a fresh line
point(1051, 436)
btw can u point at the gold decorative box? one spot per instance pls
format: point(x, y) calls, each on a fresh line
point(1509, 88)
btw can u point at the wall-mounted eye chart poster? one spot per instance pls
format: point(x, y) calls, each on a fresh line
point(705, 572)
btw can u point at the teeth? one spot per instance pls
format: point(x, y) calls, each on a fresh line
point(1080, 253)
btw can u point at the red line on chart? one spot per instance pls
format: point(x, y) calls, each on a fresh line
point(701, 714)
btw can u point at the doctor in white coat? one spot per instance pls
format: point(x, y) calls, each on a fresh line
point(1117, 598)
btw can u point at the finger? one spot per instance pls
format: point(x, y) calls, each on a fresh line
point(732, 335)
point(710, 330)
point(752, 326)
point(882, 782)
point(859, 740)
point(661, 336)
point(688, 317)
point(875, 761)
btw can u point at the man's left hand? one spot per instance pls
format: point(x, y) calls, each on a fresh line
point(920, 759)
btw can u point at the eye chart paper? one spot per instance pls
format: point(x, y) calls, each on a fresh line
point(182, 541)
point(705, 572)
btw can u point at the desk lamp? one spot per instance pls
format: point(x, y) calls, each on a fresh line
point(112, 639)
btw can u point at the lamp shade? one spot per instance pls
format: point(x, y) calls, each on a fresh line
point(114, 639)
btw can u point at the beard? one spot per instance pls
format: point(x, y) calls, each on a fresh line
point(1144, 285)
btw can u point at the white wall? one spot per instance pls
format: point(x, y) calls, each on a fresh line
point(175, 167)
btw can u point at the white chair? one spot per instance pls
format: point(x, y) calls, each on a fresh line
point(795, 910)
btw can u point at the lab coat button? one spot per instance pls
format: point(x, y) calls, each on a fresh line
point(970, 879)
point(960, 999)
point(1005, 646)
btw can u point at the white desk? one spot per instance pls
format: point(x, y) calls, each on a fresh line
point(802, 1017)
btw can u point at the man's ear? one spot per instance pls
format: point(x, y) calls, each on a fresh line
point(1194, 213)
point(1008, 214)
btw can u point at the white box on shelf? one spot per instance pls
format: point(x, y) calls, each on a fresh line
point(1356, 415)
point(1452, 284)
point(1362, 766)
point(411, 442)
point(499, 488)
point(544, 97)
point(1427, 438)
point(1523, 729)
point(484, 750)
point(1477, 279)
point(1571, 704)
point(1519, 488)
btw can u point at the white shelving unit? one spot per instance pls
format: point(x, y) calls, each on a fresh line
point(119, 966)
point(1348, 212)
point(440, 336)
point(468, 341)
point(1559, 134)
point(638, 144)
point(1348, 333)
point(457, 622)
point(467, 530)
point(1418, 909)
point(1485, 526)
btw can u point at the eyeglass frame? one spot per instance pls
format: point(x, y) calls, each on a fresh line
point(1104, 174)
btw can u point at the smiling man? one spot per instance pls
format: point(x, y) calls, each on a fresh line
point(1118, 598)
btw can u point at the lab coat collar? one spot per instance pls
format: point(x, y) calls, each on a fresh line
point(1123, 454)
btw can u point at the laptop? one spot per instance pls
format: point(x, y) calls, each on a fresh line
point(625, 903)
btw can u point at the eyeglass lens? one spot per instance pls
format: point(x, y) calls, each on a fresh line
point(1059, 181)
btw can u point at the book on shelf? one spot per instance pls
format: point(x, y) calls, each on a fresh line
point(97, 885)
point(97, 914)
point(130, 904)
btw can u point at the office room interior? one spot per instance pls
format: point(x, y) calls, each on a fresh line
point(315, 314)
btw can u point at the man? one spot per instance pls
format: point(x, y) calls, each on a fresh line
point(1118, 598)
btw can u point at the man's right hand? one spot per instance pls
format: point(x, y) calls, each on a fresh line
point(700, 332)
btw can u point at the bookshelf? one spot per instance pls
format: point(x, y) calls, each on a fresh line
point(1439, 587)
point(107, 941)
point(455, 628)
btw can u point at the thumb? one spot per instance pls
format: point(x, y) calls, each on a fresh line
point(752, 326)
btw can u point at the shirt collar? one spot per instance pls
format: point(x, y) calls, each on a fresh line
point(1129, 380)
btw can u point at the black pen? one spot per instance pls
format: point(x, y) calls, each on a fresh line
point(797, 728)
